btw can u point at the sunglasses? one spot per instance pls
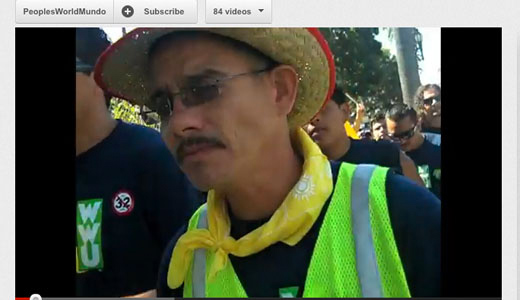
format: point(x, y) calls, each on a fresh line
point(162, 100)
point(82, 67)
point(431, 100)
point(403, 136)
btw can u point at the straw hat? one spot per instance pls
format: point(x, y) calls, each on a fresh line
point(122, 69)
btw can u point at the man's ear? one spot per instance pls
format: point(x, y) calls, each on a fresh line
point(285, 81)
point(345, 110)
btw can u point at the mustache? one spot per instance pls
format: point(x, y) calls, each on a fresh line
point(180, 148)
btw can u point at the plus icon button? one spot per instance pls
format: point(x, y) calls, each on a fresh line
point(127, 11)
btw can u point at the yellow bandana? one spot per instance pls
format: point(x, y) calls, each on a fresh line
point(289, 223)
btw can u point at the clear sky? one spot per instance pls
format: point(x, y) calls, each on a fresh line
point(115, 33)
point(430, 67)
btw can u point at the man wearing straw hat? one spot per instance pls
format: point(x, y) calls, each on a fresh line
point(280, 219)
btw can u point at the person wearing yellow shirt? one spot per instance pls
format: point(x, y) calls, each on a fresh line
point(353, 131)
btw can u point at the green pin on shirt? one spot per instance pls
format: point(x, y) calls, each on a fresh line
point(288, 292)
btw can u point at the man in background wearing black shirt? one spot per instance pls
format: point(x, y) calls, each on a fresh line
point(131, 196)
point(403, 127)
point(328, 131)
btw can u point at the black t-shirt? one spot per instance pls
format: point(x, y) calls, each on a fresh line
point(415, 218)
point(432, 130)
point(131, 198)
point(382, 153)
point(427, 158)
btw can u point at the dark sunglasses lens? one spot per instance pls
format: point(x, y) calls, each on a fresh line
point(407, 135)
point(202, 94)
point(403, 136)
point(164, 107)
point(429, 101)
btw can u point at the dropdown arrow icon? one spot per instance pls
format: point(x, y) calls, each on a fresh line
point(261, 9)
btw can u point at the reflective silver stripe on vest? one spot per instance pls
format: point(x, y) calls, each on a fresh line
point(366, 263)
point(198, 279)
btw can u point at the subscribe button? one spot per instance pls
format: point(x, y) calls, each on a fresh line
point(156, 11)
point(238, 11)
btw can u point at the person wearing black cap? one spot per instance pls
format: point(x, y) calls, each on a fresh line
point(326, 129)
point(131, 196)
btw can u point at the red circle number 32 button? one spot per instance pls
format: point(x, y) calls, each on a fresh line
point(123, 203)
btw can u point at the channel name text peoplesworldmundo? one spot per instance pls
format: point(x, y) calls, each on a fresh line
point(62, 11)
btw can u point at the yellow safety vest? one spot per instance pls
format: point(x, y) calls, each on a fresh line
point(355, 253)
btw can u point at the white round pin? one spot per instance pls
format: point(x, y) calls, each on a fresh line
point(123, 203)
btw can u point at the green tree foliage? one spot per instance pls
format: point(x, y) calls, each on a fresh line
point(363, 69)
point(129, 113)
